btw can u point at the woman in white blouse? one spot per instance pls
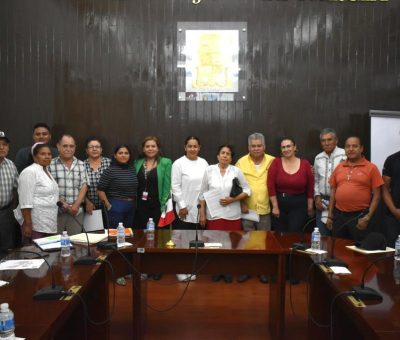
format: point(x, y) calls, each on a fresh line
point(38, 195)
point(186, 178)
point(187, 175)
point(218, 210)
point(223, 212)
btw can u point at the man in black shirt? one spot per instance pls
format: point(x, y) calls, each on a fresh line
point(391, 196)
point(41, 133)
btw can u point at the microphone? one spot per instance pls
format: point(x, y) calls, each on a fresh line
point(104, 245)
point(302, 245)
point(197, 243)
point(332, 262)
point(87, 260)
point(366, 293)
point(54, 292)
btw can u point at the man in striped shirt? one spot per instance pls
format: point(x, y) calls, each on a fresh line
point(69, 172)
point(9, 230)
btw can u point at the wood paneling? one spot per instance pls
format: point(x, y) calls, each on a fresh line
point(108, 67)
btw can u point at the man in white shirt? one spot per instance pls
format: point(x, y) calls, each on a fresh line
point(324, 164)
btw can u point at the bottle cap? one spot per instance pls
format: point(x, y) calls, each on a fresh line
point(4, 307)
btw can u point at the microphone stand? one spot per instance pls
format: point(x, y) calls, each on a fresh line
point(332, 262)
point(197, 243)
point(87, 260)
point(53, 292)
point(302, 245)
point(366, 293)
point(104, 245)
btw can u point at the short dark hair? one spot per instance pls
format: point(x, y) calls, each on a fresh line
point(230, 147)
point(359, 139)
point(91, 139)
point(288, 138)
point(41, 125)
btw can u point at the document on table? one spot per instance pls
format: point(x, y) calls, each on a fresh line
point(21, 264)
point(212, 200)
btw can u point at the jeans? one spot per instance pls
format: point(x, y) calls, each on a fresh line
point(121, 211)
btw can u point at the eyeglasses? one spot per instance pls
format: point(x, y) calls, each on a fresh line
point(92, 147)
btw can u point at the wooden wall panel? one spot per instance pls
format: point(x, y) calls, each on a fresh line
point(108, 67)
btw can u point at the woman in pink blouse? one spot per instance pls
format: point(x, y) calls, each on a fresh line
point(290, 188)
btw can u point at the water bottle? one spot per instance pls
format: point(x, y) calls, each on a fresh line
point(65, 244)
point(65, 268)
point(316, 239)
point(120, 235)
point(396, 272)
point(150, 229)
point(397, 250)
point(6, 322)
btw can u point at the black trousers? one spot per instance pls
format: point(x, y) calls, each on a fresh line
point(293, 213)
point(391, 230)
point(10, 231)
point(344, 225)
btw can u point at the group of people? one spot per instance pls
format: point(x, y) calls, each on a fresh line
point(55, 188)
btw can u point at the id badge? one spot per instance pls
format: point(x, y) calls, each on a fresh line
point(145, 195)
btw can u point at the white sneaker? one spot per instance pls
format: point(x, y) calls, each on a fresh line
point(185, 277)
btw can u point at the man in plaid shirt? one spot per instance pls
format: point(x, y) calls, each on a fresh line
point(10, 234)
point(69, 172)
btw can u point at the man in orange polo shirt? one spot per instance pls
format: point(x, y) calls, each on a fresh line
point(355, 193)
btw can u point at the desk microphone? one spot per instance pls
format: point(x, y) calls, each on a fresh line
point(106, 244)
point(48, 293)
point(366, 293)
point(87, 260)
point(302, 245)
point(332, 262)
point(197, 243)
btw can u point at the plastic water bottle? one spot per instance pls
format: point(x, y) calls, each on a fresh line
point(120, 235)
point(316, 239)
point(150, 229)
point(6, 322)
point(65, 245)
point(397, 250)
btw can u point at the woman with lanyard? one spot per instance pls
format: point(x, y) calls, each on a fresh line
point(38, 195)
point(154, 175)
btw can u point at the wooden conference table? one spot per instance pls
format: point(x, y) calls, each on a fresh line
point(377, 320)
point(57, 319)
point(241, 253)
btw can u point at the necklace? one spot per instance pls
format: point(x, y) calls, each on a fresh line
point(349, 174)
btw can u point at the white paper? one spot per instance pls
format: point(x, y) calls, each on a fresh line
point(213, 245)
point(21, 264)
point(93, 238)
point(94, 221)
point(251, 216)
point(340, 270)
point(50, 246)
point(124, 245)
point(212, 200)
point(3, 283)
point(364, 251)
point(47, 240)
point(315, 251)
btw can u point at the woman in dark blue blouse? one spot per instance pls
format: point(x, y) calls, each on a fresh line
point(117, 188)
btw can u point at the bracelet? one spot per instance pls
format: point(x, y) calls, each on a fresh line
point(329, 218)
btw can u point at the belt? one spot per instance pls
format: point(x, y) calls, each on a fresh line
point(284, 194)
point(129, 199)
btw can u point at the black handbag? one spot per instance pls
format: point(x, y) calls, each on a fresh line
point(236, 188)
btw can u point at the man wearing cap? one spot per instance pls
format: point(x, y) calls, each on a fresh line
point(41, 134)
point(69, 172)
point(391, 196)
point(324, 164)
point(10, 234)
point(355, 193)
